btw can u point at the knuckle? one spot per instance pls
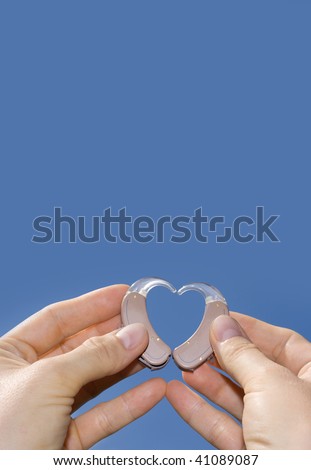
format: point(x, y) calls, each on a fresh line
point(105, 351)
point(51, 312)
point(195, 411)
point(217, 429)
point(236, 349)
point(130, 413)
point(247, 357)
point(288, 337)
point(104, 423)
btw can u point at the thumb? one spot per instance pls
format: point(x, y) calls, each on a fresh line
point(236, 354)
point(101, 356)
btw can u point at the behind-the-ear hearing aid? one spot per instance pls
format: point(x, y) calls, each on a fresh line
point(193, 352)
point(134, 310)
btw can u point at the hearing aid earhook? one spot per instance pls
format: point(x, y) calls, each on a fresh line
point(134, 310)
point(197, 349)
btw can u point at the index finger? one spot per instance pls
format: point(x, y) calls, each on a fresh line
point(282, 345)
point(51, 325)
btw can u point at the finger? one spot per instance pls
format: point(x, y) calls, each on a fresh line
point(215, 426)
point(217, 388)
point(92, 389)
point(237, 355)
point(107, 418)
point(76, 340)
point(49, 327)
point(279, 344)
point(100, 356)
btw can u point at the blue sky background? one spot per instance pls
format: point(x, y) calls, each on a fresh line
point(161, 107)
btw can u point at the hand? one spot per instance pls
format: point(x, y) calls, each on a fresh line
point(60, 358)
point(272, 366)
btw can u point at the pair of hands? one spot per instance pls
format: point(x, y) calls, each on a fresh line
point(63, 356)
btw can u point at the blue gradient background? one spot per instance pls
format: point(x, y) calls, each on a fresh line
point(161, 107)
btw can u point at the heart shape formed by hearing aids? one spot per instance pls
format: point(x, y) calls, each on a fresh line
point(193, 352)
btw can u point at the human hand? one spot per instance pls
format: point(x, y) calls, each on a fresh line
point(272, 402)
point(60, 358)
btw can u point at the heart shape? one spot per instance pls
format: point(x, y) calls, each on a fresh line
point(193, 352)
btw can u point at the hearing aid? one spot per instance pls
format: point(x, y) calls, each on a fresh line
point(195, 350)
point(134, 310)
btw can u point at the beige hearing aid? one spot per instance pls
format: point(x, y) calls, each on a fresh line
point(193, 352)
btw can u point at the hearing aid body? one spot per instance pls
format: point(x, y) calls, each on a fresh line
point(193, 352)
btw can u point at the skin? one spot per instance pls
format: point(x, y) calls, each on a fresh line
point(60, 358)
point(270, 398)
point(69, 352)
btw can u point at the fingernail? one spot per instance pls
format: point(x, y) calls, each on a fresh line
point(225, 327)
point(132, 335)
